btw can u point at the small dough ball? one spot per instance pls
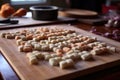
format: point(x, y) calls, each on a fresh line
point(66, 64)
point(86, 56)
point(54, 61)
point(33, 60)
point(20, 48)
point(63, 64)
point(39, 55)
point(27, 49)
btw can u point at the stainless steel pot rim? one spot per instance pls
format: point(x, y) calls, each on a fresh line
point(43, 8)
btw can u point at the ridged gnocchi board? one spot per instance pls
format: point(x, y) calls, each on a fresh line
point(43, 70)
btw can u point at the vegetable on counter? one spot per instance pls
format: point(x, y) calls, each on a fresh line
point(7, 11)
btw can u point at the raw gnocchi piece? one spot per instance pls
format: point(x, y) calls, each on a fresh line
point(70, 52)
point(111, 49)
point(47, 56)
point(23, 38)
point(36, 39)
point(96, 51)
point(86, 56)
point(45, 47)
point(53, 55)
point(18, 41)
point(2, 35)
point(51, 46)
point(66, 63)
point(38, 54)
point(59, 52)
point(32, 58)
point(66, 49)
point(65, 57)
point(70, 62)
point(27, 49)
point(100, 50)
point(37, 47)
point(17, 37)
point(54, 61)
point(20, 48)
point(9, 36)
point(55, 49)
point(73, 56)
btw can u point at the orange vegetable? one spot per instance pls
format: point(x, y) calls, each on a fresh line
point(6, 10)
point(5, 6)
point(20, 12)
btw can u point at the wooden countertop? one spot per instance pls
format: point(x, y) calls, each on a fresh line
point(86, 27)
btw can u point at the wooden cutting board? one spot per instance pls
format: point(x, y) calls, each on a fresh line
point(43, 71)
point(78, 13)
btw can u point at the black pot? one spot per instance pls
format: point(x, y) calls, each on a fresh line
point(44, 12)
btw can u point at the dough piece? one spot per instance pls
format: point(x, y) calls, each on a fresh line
point(111, 49)
point(33, 43)
point(54, 55)
point(20, 48)
point(2, 35)
point(70, 62)
point(66, 64)
point(70, 52)
point(27, 45)
point(73, 56)
point(91, 45)
point(18, 42)
point(39, 55)
point(51, 46)
point(96, 51)
point(90, 40)
point(102, 44)
point(55, 49)
point(23, 38)
point(54, 61)
point(17, 37)
point(37, 47)
point(59, 52)
point(9, 36)
point(63, 64)
point(66, 49)
point(65, 57)
point(30, 54)
point(47, 56)
point(76, 56)
point(27, 49)
point(86, 56)
point(32, 58)
point(36, 39)
point(45, 47)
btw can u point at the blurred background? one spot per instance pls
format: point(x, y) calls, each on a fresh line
point(95, 5)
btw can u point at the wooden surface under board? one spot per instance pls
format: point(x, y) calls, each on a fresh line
point(28, 21)
point(25, 71)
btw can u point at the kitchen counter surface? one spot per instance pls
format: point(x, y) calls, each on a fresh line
point(111, 73)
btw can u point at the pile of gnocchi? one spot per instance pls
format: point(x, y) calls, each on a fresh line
point(59, 47)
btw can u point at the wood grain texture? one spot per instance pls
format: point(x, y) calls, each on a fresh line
point(25, 71)
point(28, 21)
point(7, 72)
point(77, 13)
